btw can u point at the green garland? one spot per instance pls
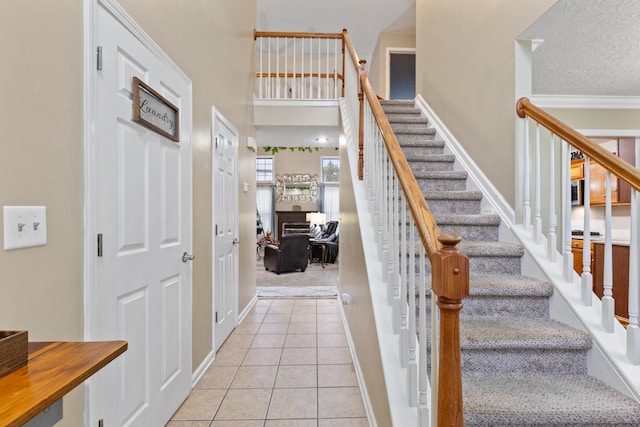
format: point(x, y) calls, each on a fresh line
point(274, 150)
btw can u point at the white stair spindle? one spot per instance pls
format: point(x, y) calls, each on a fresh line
point(552, 249)
point(608, 317)
point(404, 324)
point(526, 210)
point(633, 329)
point(423, 382)
point(537, 220)
point(566, 213)
point(586, 277)
point(412, 373)
point(286, 68)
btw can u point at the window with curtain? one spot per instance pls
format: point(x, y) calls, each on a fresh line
point(265, 192)
point(329, 189)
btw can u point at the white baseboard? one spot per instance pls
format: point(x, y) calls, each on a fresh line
point(206, 363)
point(363, 388)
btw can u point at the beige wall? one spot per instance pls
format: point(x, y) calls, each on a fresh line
point(41, 163)
point(377, 65)
point(465, 63)
point(41, 143)
point(598, 118)
point(354, 281)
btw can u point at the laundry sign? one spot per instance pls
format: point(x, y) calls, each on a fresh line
point(153, 111)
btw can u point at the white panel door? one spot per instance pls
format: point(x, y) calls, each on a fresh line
point(225, 226)
point(142, 291)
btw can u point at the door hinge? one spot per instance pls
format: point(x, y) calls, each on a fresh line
point(100, 423)
point(216, 139)
point(99, 58)
point(100, 244)
point(216, 230)
point(216, 317)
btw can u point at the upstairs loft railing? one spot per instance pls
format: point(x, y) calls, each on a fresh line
point(299, 66)
point(541, 146)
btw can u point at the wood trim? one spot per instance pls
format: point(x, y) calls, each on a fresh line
point(352, 51)
point(257, 34)
point(609, 161)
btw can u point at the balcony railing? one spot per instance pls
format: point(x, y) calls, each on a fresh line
point(545, 197)
point(299, 66)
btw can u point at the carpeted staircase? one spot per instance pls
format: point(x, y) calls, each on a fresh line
point(519, 366)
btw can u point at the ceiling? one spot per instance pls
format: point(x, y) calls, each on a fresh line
point(587, 47)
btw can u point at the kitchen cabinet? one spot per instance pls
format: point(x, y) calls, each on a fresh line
point(620, 279)
point(577, 249)
point(577, 169)
point(620, 190)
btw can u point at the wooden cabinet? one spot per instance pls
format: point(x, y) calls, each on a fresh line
point(577, 169)
point(620, 279)
point(577, 249)
point(620, 190)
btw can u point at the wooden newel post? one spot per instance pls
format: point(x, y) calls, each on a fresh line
point(362, 70)
point(450, 283)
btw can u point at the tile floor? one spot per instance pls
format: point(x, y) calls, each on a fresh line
point(286, 365)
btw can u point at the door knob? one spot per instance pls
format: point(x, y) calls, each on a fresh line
point(186, 257)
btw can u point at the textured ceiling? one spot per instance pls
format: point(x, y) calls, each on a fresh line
point(590, 47)
point(363, 19)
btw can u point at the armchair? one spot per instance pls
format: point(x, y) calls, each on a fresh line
point(290, 254)
point(330, 240)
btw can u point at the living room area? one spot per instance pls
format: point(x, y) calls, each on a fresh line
point(297, 222)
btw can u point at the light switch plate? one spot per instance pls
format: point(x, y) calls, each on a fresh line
point(24, 226)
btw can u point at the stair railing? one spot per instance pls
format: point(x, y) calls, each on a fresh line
point(407, 235)
point(536, 168)
point(299, 66)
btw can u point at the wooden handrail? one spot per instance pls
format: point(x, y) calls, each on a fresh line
point(606, 159)
point(425, 223)
point(257, 34)
point(352, 51)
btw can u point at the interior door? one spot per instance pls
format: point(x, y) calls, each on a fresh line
point(402, 75)
point(225, 226)
point(142, 289)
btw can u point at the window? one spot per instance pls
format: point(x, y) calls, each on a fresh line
point(264, 169)
point(330, 190)
point(330, 167)
point(265, 192)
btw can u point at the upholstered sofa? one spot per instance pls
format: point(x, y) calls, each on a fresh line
point(291, 253)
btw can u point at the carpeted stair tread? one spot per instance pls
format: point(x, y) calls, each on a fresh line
point(503, 285)
point(422, 143)
point(452, 195)
point(412, 129)
point(496, 249)
point(545, 400)
point(461, 219)
point(427, 174)
point(419, 157)
point(402, 109)
point(543, 334)
point(401, 118)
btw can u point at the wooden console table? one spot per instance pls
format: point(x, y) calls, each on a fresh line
point(53, 369)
